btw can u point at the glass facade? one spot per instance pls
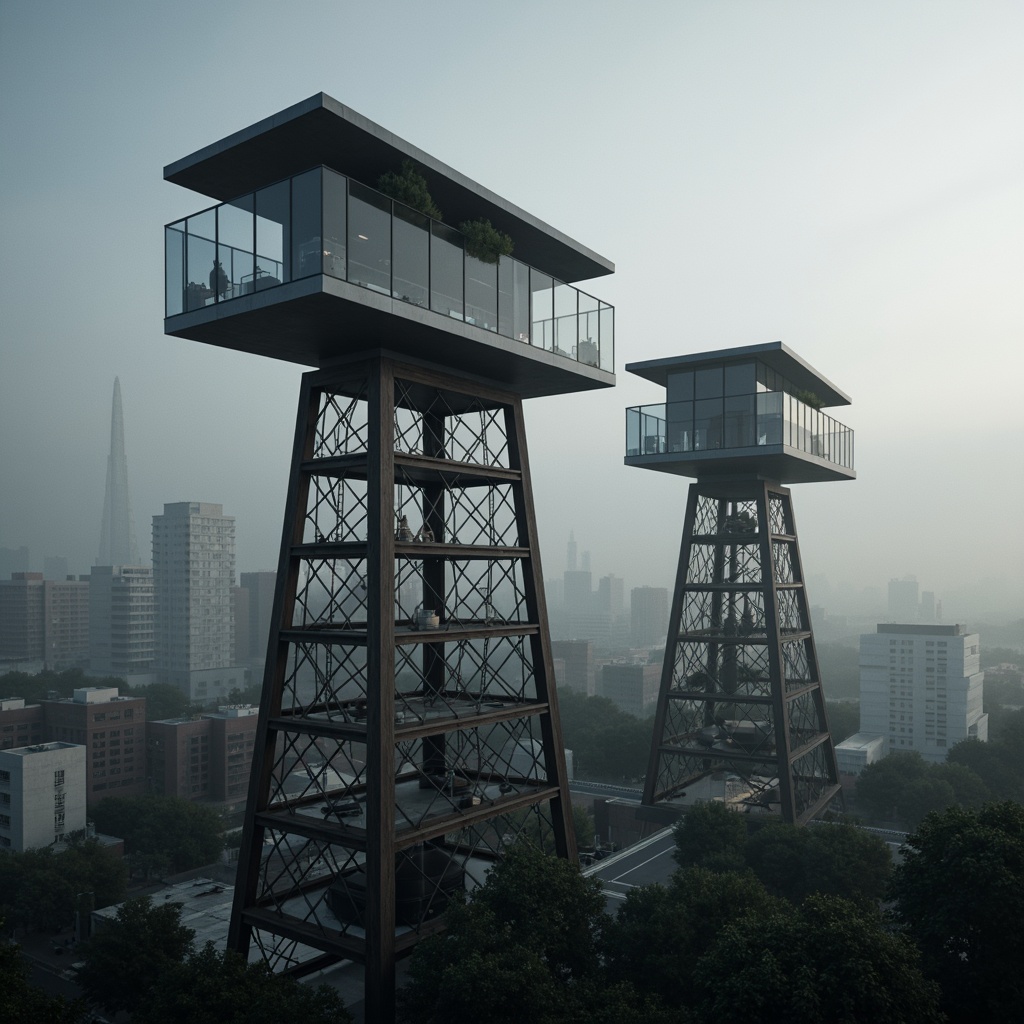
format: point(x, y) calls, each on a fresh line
point(746, 405)
point(321, 222)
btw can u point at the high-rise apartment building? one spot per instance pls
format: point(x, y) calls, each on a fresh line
point(193, 576)
point(44, 623)
point(258, 589)
point(921, 688)
point(121, 621)
point(904, 605)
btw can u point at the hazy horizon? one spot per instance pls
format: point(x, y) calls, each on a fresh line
point(848, 179)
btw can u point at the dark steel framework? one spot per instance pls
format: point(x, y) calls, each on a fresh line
point(741, 690)
point(408, 730)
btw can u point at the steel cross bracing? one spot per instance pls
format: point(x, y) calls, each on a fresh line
point(740, 690)
point(408, 730)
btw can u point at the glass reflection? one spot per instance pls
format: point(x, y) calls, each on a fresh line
point(411, 281)
point(446, 270)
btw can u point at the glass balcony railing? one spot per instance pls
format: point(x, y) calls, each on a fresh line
point(321, 222)
point(738, 421)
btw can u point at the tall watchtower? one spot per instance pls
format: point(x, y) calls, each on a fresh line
point(741, 714)
point(408, 728)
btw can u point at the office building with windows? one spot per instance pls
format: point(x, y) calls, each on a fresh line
point(193, 579)
point(921, 688)
point(122, 622)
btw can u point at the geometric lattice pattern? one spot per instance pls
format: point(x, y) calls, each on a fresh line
point(741, 693)
point(408, 730)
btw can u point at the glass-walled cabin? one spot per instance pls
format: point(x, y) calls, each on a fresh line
point(736, 406)
point(322, 222)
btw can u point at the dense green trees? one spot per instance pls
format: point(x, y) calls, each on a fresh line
point(38, 888)
point(163, 700)
point(142, 962)
point(608, 745)
point(791, 862)
point(125, 960)
point(959, 894)
point(525, 946)
point(162, 833)
point(534, 943)
point(209, 987)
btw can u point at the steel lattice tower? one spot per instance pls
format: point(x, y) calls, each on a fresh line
point(741, 711)
point(409, 726)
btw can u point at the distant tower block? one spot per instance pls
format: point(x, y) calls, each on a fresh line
point(408, 728)
point(117, 532)
point(741, 713)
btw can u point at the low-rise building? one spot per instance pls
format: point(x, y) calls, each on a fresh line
point(42, 794)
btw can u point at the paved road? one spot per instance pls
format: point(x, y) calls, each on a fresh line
point(645, 862)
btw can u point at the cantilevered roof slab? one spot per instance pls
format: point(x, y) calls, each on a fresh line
point(320, 130)
point(779, 357)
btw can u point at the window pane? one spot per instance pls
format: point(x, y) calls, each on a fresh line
point(769, 418)
point(565, 319)
point(708, 383)
point(369, 238)
point(680, 426)
point(542, 323)
point(632, 431)
point(521, 302)
point(335, 199)
point(307, 245)
point(739, 380)
point(739, 421)
point(200, 251)
point(707, 423)
point(411, 279)
point(680, 387)
point(174, 269)
point(272, 231)
point(481, 293)
point(446, 270)
point(589, 328)
point(234, 247)
point(607, 342)
point(506, 293)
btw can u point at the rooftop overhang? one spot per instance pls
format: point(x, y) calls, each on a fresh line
point(320, 320)
point(320, 130)
point(774, 354)
point(778, 462)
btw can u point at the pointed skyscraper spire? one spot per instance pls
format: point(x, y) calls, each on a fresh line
point(117, 533)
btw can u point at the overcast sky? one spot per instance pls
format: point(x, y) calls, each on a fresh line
point(845, 177)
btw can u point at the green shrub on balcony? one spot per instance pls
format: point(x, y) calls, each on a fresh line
point(409, 187)
point(484, 241)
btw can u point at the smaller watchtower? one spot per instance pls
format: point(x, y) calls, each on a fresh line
point(741, 712)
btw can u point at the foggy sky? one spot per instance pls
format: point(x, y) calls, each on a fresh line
point(846, 178)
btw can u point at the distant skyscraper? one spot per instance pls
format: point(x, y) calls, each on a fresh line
point(117, 533)
point(570, 556)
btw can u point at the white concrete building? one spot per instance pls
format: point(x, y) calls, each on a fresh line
point(42, 794)
point(194, 575)
point(921, 688)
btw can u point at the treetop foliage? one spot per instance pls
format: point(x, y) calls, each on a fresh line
point(410, 187)
point(959, 894)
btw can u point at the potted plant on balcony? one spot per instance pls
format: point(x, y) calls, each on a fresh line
point(484, 241)
point(410, 187)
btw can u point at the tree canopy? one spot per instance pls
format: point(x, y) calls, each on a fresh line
point(209, 987)
point(38, 888)
point(608, 744)
point(959, 894)
point(162, 833)
point(127, 958)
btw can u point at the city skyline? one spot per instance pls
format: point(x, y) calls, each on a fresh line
point(769, 188)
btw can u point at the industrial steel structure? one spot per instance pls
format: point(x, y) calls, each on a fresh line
point(741, 702)
point(409, 728)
